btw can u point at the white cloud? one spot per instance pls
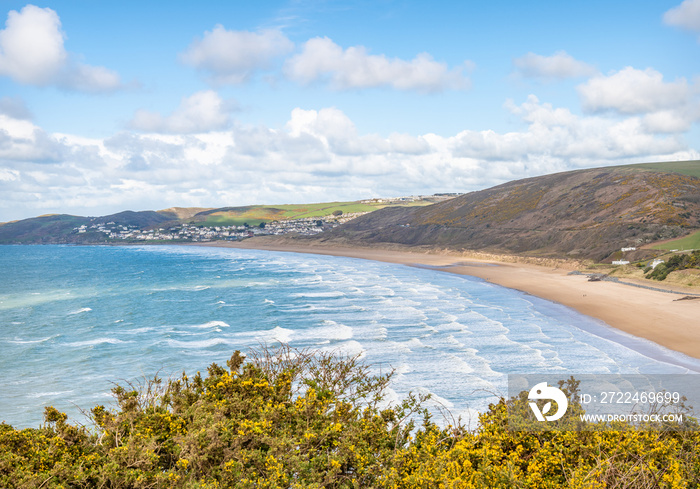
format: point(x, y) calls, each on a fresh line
point(670, 121)
point(558, 66)
point(21, 140)
point(336, 131)
point(318, 155)
point(201, 112)
point(557, 137)
point(31, 46)
point(86, 78)
point(354, 67)
point(409, 145)
point(234, 56)
point(686, 15)
point(632, 91)
point(32, 52)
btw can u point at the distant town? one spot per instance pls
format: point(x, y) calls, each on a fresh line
point(193, 230)
point(200, 233)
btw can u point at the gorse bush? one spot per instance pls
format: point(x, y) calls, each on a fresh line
point(676, 262)
point(297, 419)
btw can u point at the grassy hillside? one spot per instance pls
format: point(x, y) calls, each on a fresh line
point(59, 228)
point(583, 214)
point(182, 213)
point(691, 168)
point(54, 228)
point(255, 214)
point(690, 242)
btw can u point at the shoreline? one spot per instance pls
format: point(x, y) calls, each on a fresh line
point(641, 312)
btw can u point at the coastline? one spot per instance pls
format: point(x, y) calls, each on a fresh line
point(649, 314)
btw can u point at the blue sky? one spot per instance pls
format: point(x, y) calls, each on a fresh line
point(107, 106)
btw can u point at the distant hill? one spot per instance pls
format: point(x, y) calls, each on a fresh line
point(183, 212)
point(583, 214)
point(54, 228)
point(255, 214)
point(59, 228)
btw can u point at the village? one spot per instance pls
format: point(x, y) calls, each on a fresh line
point(200, 232)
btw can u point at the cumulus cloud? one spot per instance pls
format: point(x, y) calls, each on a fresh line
point(559, 66)
point(633, 91)
point(557, 135)
point(318, 155)
point(201, 112)
point(686, 16)
point(21, 140)
point(32, 52)
point(234, 56)
point(338, 133)
point(352, 68)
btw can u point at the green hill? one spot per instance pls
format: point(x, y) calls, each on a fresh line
point(583, 214)
point(691, 168)
point(255, 214)
point(690, 242)
point(60, 228)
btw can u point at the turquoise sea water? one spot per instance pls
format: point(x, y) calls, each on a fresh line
point(75, 320)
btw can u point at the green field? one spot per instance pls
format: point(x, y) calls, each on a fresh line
point(691, 168)
point(255, 214)
point(691, 242)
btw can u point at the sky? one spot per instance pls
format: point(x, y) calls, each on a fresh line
point(132, 105)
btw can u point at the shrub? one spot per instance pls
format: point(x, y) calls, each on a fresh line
point(297, 419)
point(676, 262)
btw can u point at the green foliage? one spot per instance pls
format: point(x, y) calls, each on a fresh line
point(689, 242)
point(297, 419)
point(676, 262)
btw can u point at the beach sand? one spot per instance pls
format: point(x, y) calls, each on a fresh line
point(653, 315)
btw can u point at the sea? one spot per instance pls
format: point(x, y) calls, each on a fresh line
point(75, 321)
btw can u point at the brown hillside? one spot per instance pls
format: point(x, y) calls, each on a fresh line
point(183, 212)
point(586, 213)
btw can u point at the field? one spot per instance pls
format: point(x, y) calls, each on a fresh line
point(255, 214)
point(691, 168)
point(691, 242)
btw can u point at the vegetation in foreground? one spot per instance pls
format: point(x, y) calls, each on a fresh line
point(287, 418)
point(676, 262)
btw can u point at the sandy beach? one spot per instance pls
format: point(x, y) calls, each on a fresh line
point(650, 314)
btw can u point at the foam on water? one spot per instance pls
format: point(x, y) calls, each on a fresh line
point(80, 311)
point(95, 342)
point(211, 324)
point(18, 341)
point(200, 344)
point(75, 319)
